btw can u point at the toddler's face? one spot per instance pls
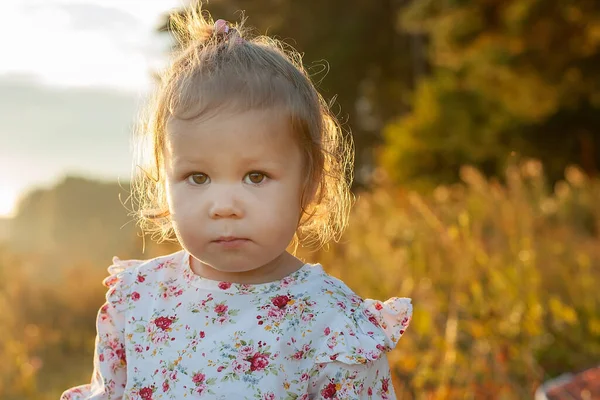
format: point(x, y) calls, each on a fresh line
point(233, 185)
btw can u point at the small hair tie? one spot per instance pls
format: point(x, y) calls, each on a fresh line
point(221, 26)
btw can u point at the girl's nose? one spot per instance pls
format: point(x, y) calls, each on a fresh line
point(225, 205)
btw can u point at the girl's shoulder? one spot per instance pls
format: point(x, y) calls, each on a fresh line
point(127, 277)
point(121, 271)
point(359, 330)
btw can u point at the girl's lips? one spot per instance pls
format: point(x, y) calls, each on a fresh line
point(230, 242)
point(228, 239)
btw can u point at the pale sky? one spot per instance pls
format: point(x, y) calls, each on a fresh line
point(72, 74)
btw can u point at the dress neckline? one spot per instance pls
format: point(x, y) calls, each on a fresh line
point(302, 275)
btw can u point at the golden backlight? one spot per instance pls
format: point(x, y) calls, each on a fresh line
point(7, 202)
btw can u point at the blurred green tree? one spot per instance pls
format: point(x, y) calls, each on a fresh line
point(514, 75)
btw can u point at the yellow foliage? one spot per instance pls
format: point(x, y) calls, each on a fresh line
point(562, 312)
point(501, 277)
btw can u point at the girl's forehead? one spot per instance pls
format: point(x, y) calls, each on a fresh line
point(253, 133)
point(254, 120)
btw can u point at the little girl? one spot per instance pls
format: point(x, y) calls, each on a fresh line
point(245, 161)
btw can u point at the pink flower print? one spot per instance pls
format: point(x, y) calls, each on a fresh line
point(221, 308)
point(259, 362)
point(269, 396)
point(198, 378)
point(327, 331)
point(223, 319)
point(165, 386)
point(110, 281)
point(135, 296)
point(378, 306)
point(285, 282)
point(208, 298)
point(385, 385)
point(359, 388)
point(246, 351)
point(298, 355)
point(308, 317)
point(240, 366)
point(276, 314)
point(202, 334)
point(370, 391)
point(329, 391)
point(373, 320)
point(163, 322)
point(200, 388)
point(280, 301)
point(221, 368)
point(332, 341)
point(304, 377)
point(159, 337)
point(356, 299)
point(224, 285)
point(116, 353)
point(146, 393)
point(120, 352)
point(141, 278)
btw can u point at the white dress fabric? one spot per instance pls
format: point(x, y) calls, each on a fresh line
point(166, 333)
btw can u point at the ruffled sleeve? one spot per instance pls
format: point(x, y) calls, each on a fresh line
point(109, 377)
point(352, 361)
point(373, 328)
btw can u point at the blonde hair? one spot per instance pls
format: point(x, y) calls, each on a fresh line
point(212, 70)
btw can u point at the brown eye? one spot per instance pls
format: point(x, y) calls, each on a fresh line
point(255, 178)
point(198, 179)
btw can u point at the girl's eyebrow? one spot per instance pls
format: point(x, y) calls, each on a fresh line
point(263, 162)
point(181, 162)
point(248, 162)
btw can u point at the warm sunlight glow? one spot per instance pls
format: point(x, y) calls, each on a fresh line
point(110, 43)
point(7, 202)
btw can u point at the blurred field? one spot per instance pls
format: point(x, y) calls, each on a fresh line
point(504, 278)
point(502, 259)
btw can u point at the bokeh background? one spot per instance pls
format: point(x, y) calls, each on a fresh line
point(477, 127)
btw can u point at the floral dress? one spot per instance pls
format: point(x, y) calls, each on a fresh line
point(166, 333)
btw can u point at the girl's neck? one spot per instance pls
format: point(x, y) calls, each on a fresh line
point(275, 270)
